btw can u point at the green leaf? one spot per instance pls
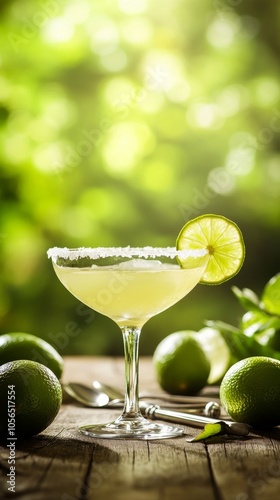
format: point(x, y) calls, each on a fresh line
point(238, 344)
point(254, 322)
point(241, 346)
point(221, 325)
point(273, 340)
point(271, 295)
point(247, 298)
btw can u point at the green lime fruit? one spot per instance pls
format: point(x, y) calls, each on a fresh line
point(26, 346)
point(217, 351)
point(250, 391)
point(30, 398)
point(223, 241)
point(180, 364)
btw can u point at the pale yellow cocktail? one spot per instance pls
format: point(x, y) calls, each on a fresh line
point(131, 292)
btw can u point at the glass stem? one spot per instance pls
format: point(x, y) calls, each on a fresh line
point(131, 344)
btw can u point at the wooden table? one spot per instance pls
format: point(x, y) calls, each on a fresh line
point(62, 464)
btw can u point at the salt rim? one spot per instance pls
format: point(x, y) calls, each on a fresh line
point(103, 252)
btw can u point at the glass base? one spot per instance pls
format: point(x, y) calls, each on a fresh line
point(131, 429)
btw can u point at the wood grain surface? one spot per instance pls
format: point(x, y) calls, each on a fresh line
point(62, 464)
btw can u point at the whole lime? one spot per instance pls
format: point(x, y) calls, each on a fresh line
point(180, 363)
point(250, 391)
point(30, 398)
point(20, 345)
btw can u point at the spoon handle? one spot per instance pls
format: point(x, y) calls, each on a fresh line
point(179, 399)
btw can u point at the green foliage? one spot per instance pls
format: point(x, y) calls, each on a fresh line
point(119, 121)
point(259, 330)
point(271, 296)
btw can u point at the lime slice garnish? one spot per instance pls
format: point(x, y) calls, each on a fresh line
point(217, 351)
point(223, 240)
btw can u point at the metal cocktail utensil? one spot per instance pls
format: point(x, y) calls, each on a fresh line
point(101, 396)
point(155, 412)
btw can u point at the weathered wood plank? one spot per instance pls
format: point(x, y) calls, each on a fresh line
point(62, 464)
point(248, 469)
point(156, 470)
point(61, 460)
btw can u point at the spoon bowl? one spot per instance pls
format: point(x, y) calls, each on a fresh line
point(87, 396)
point(111, 392)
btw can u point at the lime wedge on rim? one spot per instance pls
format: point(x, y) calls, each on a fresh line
point(223, 240)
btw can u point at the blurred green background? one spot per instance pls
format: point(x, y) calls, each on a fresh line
point(120, 121)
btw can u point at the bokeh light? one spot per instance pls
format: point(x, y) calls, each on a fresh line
point(121, 120)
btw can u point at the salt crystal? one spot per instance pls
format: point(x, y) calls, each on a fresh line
point(103, 252)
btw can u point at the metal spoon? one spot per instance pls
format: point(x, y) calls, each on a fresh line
point(114, 393)
point(100, 395)
point(96, 398)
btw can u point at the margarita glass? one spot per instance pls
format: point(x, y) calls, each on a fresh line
point(129, 285)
